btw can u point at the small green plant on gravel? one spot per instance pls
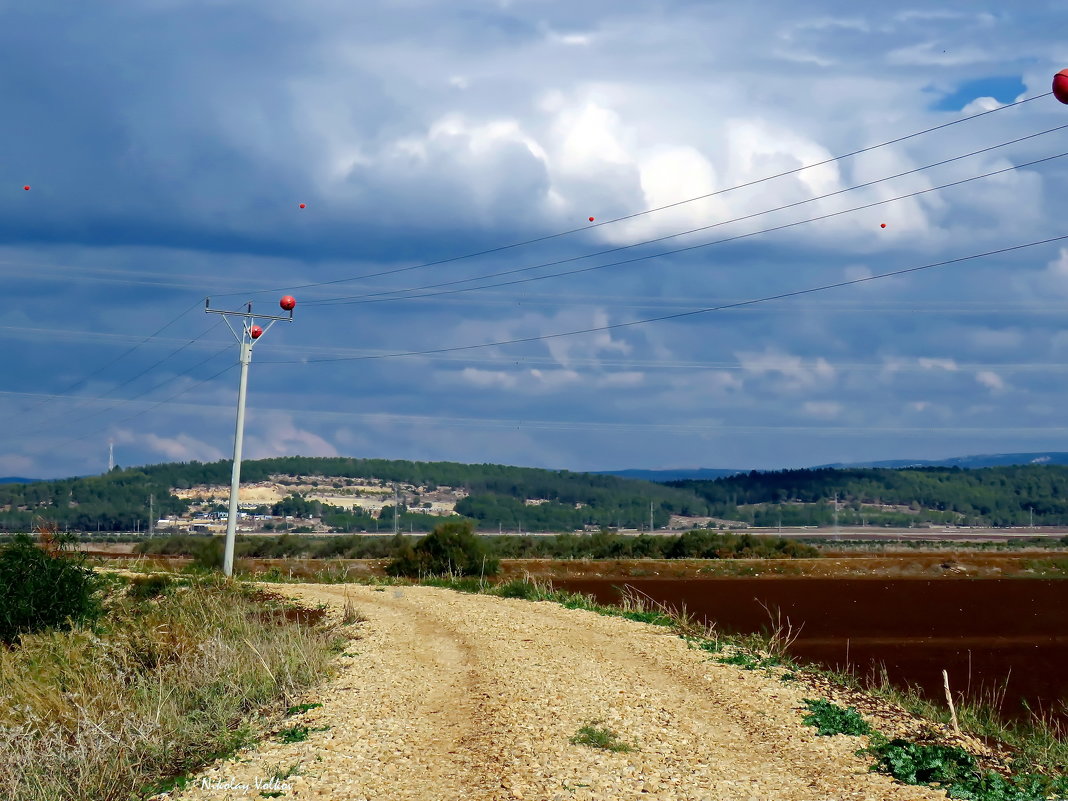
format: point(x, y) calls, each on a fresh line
point(749, 661)
point(712, 646)
point(830, 719)
point(596, 737)
point(298, 734)
point(294, 734)
point(956, 771)
point(301, 708)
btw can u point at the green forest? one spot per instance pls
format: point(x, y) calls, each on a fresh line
point(990, 496)
point(993, 496)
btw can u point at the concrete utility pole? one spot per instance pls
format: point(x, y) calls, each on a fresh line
point(651, 517)
point(151, 515)
point(836, 515)
point(396, 516)
point(250, 332)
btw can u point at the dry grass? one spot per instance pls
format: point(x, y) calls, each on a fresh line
point(160, 687)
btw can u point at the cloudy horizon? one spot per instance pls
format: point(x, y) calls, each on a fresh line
point(168, 145)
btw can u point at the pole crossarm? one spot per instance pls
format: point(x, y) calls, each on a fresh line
point(249, 336)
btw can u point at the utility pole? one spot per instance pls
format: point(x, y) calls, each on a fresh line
point(836, 515)
point(396, 516)
point(1031, 509)
point(111, 456)
point(650, 517)
point(250, 332)
point(151, 515)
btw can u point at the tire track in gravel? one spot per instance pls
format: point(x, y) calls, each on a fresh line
point(455, 697)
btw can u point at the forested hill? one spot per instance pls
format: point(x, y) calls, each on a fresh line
point(995, 496)
point(496, 493)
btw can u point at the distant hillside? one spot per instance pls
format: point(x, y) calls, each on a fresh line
point(969, 462)
point(988, 496)
point(495, 495)
point(697, 473)
point(17, 480)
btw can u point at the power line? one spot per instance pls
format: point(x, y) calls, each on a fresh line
point(333, 301)
point(82, 381)
point(635, 215)
point(679, 315)
point(583, 425)
point(148, 369)
point(371, 297)
point(156, 405)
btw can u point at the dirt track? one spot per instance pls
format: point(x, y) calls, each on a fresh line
point(450, 697)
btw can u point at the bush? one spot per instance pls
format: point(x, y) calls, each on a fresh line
point(144, 587)
point(208, 553)
point(39, 591)
point(451, 547)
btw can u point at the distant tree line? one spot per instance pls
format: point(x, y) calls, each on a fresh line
point(991, 496)
point(605, 544)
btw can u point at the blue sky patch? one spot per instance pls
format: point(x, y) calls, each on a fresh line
point(1004, 89)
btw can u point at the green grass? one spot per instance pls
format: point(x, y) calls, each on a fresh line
point(156, 688)
point(595, 737)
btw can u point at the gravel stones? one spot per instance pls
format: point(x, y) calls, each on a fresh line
point(456, 697)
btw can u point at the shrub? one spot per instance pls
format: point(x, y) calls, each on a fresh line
point(451, 547)
point(208, 553)
point(143, 587)
point(40, 591)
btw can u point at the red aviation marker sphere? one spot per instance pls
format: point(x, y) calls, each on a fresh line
point(288, 302)
point(882, 225)
point(591, 219)
point(302, 205)
point(255, 332)
point(1060, 86)
point(27, 188)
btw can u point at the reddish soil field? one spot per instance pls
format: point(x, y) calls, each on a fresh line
point(988, 633)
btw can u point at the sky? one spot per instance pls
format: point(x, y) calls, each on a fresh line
point(168, 144)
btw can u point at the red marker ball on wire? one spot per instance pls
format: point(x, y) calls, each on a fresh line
point(255, 332)
point(302, 205)
point(288, 302)
point(882, 225)
point(1060, 86)
point(591, 219)
point(27, 188)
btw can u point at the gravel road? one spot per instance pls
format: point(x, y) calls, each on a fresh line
point(456, 697)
